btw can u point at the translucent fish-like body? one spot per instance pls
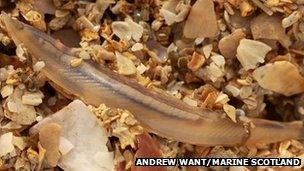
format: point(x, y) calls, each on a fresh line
point(160, 114)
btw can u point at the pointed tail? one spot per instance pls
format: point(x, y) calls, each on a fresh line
point(271, 131)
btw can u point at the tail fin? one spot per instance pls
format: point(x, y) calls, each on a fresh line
point(272, 131)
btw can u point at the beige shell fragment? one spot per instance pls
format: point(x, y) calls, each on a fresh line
point(183, 11)
point(21, 52)
point(6, 144)
point(86, 147)
point(137, 47)
point(136, 29)
point(207, 49)
point(174, 11)
point(228, 44)
point(122, 30)
point(169, 16)
point(127, 29)
point(214, 72)
point(61, 13)
point(170, 5)
point(76, 62)
point(33, 99)
point(269, 27)
point(230, 111)
point(20, 142)
point(251, 52)
point(49, 140)
point(18, 112)
point(291, 19)
point(282, 77)
point(7, 90)
point(125, 65)
point(198, 26)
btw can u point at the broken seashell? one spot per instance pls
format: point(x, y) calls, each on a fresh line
point(33, 99)
point(6, 144)
point(198, 26)
point(233, 90)
point(88, 35)
point(84, 55)
point(219, 60)
point(127, 30)
point(20, 142)
point(7, 90)
point(207, 49)
point(291, 19)
point(251, 52)
point(80, 127)
point(196, 62)
point(269, 27)
point(230, 111)
point(76, 62)
point(137, 47)
point(169, 16)
point(33, 16)
point(214, 72)
point(18, 112)
point(49, 140)
point(136, 29)
point(282, 77)
point(155, 25)
point(222, 98)
point(246, 8)
point(122, 30)
point(124, 64)
point(21, 52)
point(183, 10)
point(142, 68)
point(170, 5)
point(199, 41)
point(61, 13)
point(245, 92)
point(174, 11)
point(228, 44)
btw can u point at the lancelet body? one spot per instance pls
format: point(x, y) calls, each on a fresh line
point(158, 113)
